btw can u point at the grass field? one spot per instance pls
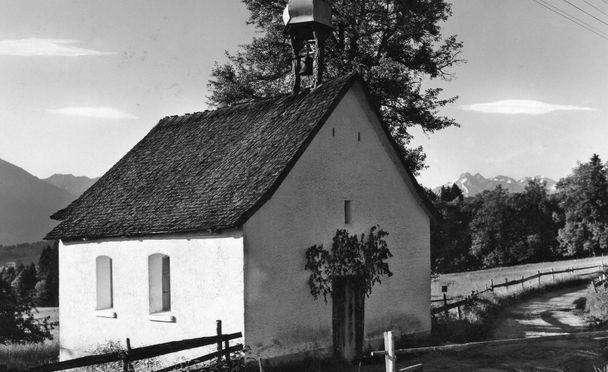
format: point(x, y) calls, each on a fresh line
point(461, 284)
point(29, 355)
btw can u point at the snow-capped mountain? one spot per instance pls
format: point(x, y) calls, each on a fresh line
point(473, 184)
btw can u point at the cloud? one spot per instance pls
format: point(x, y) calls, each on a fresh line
point(46, 47)
point(94, 112)
point(521, 106)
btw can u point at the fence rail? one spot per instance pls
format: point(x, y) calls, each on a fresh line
point(474, 296)
point(131, 355)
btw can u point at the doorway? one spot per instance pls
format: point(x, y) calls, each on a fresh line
point(348, 313)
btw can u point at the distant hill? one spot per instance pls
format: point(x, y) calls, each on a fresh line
point(23, 253)
point(472, 185)
point(75, 185)
point(26, 202)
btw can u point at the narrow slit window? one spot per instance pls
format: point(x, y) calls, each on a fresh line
point(159, 279)
point(333, 132)
point(347, 212)
point(104, 282)
point(359, 136)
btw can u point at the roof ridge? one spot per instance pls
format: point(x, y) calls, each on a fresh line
point(302, 92)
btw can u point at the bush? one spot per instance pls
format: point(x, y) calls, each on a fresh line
point(596, 307)
point(17, 321)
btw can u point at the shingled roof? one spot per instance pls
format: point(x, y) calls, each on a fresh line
point(202, 172)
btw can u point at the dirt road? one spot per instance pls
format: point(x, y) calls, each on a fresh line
point(551, 314)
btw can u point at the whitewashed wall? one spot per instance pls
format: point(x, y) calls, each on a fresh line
point(281, 315)
point(206, 285)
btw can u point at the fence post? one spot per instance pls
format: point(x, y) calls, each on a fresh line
point(539, 278)
point(507, 284)
point(226, 347)
point(218, 328)
point(492, 284)
point(552, 274)
point(459, 313)
point(126, 363)
point(445, 306)
point(389, 359)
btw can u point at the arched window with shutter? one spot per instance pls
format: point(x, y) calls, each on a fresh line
point(104, 282)
point(159, 279)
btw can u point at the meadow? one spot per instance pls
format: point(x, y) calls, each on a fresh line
point(461, 284)
point(19, 356)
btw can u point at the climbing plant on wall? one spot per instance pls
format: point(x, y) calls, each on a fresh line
point(361, 259)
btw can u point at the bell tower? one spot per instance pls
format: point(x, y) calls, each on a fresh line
point(308, 25)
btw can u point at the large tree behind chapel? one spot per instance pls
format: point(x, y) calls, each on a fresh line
point(396, 46)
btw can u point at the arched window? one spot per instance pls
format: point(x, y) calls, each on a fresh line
point(104, 282)
point(159, 279)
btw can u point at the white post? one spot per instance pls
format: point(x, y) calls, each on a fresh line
point(389, 347)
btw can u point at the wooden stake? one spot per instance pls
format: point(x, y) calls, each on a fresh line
point(226, 347)
point(218, 328)
point(389, 359)
point(126, 364)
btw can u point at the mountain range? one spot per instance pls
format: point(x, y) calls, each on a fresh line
point(75, 185)
point(473, 184)
point(26, 202)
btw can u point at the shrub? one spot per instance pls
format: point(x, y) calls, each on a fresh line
point(596, 307)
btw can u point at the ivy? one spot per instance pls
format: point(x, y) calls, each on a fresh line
point(361, 259)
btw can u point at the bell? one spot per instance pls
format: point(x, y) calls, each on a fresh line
point(306, 69)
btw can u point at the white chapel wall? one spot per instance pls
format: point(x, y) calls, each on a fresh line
point(281, 315)
point(206, 282)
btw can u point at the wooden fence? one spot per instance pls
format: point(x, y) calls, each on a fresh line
point(474, 296)
point(391, 354)
point(130, 355)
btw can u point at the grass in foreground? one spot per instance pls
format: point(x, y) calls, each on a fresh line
point(29, 355)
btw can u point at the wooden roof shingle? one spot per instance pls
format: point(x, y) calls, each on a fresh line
point(201, 172)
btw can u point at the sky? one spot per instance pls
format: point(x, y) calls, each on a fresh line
point(82, 81)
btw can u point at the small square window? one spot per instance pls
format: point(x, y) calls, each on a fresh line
point(347, 212)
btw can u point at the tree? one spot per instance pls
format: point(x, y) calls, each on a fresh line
point(534, 209)
point(47, 288)
point(583, 197)
point(25, 282)
point(396, 46)
point(496, 239)
point(449, 193)
point(17, 321)
point(451, 234)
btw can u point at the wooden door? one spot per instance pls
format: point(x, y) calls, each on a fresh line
point(348, 304)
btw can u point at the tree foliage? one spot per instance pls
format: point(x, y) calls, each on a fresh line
point(17, 321)
point(451, 235)
point(47, 288)
point(362, 260)
point(21, 289)
point(395, 45)
point(494, 228)
point(583, 196)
